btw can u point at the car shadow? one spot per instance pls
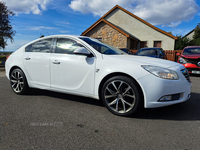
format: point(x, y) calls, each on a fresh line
point(186, 111)
point(74, 98)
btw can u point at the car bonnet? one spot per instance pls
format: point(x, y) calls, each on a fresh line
point(140, 60)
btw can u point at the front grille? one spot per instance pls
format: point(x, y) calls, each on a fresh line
point(186, 74)
point(194, 69)
point(194, 61)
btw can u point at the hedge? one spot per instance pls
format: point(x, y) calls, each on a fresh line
point(2, 58)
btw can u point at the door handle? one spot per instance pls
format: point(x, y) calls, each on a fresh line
point(27, 58)
point(56, 62)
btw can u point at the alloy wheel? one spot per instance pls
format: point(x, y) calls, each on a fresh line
point(119, 96)
point(17, 81)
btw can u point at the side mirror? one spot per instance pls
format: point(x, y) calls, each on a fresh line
point(178, 54)
point(82, 51)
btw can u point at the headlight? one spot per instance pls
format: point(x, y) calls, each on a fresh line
point(161, 72)
point(182, 61)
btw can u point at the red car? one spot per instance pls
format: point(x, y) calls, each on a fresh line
point(190, 58)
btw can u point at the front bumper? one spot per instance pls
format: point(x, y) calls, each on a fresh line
point(192, 68)
point(155, 88)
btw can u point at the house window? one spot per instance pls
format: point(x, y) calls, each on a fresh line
point(143, 44)
point(157, 44)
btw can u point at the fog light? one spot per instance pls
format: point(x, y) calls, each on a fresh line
point(171, 97)
point(166, 98)
point(189, 95)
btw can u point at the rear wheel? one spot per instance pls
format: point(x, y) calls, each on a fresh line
point(18, 82)
point(121, 95)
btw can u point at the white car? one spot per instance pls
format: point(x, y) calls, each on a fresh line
point(85, 66)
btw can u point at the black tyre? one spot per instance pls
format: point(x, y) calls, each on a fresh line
point(122, 96)
point(18, 82)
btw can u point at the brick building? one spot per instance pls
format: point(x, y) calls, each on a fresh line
point(122, 29)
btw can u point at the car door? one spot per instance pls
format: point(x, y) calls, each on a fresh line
point(36, 61)
point(69, 71)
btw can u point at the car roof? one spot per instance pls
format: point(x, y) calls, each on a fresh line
point(151, 48)
point(54, 36)
point(192, 47)
point(62, 35)
point(57, 36)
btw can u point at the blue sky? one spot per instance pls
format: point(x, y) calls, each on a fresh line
point(49, 17)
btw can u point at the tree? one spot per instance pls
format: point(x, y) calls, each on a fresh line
point(6, 30)
point(182, 42)
point(196, 37)
point(170, 32)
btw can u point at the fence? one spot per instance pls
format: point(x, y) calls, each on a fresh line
point(171, 54)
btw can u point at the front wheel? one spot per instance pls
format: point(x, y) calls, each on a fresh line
point(121, 95)
point(18, 82)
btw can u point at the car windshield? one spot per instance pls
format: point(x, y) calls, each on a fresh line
point(145, 52)
point(191, 51)
point(102, 47)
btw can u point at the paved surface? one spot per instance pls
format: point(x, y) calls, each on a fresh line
point(48, 120)
point(2, 72)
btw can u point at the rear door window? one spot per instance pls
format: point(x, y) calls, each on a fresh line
point(42, 46)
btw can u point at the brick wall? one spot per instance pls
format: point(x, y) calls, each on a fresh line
point(108, 35)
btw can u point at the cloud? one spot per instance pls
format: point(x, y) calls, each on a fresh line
point(62, 23)
point(166, 12)
point(64, 31)
point(40, 28)
point(173, 24)
point(27, 6)
point(97, 7)
point(180, 32)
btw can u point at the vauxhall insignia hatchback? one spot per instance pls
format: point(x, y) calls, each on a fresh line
point(87, 67)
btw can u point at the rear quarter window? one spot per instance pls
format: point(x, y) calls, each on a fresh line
point(28, 48)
